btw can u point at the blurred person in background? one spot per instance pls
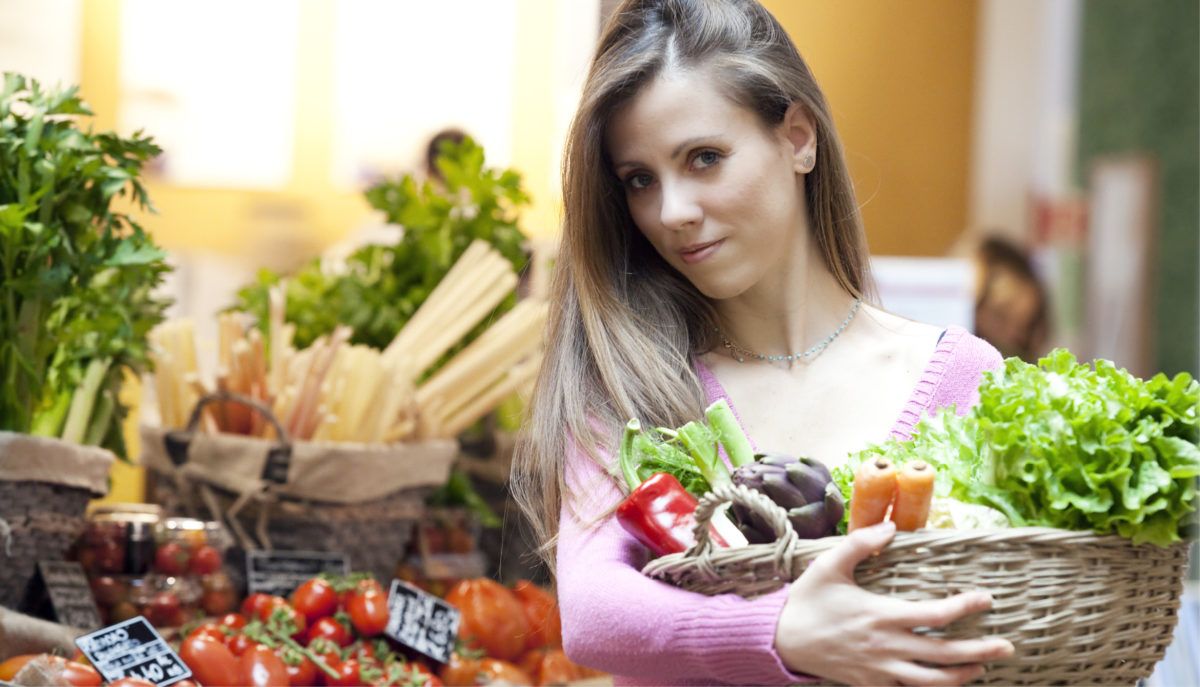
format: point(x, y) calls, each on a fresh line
point(1011, 310)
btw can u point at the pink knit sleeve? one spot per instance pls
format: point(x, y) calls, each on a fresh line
point(959, 385)
point(643, 631)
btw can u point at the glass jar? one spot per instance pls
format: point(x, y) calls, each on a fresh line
point(118, 539)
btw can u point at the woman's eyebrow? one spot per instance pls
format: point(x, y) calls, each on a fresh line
point(675, 153)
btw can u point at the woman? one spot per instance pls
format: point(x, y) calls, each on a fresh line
point(712, 247)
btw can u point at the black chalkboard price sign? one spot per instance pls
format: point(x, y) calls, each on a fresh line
point(133, 648)
point(280, 572)
point(69, 593)
point(421, 621)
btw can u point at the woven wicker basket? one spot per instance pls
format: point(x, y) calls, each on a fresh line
point(45, 486)
point(1079, 608)
point(374, 531)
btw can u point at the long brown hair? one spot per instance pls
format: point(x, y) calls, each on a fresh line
point(624, 325)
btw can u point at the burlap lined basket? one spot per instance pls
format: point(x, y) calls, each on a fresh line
point(1079, 608)
point(45, 486)
point(358, 499)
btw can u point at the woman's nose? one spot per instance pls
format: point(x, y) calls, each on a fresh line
point(680, 206)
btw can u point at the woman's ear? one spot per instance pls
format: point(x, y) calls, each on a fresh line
point(800, 132)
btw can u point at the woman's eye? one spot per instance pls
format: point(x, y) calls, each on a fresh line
point(638, 181)
point(707, 158)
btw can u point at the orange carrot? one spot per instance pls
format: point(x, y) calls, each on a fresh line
point(874, 490)
point(914, 493)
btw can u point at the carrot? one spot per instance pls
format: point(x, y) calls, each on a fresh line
point(914, 493)
point(874, 490)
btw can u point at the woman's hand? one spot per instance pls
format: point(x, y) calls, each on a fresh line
point(833, 629)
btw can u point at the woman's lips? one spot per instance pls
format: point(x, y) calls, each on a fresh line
point(700, 252)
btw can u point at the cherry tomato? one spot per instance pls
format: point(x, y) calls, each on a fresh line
point(234, 621)
point(240, 644)
point(109, 591)
point(368, 612)
point(327, 651)
point(212, 663)
point(349, 674)
point(211, 631)
point(287, 616)
point(301, 671)
point(165, 610)
point(267, 607)
point(260, 667)
point(330, 629)
point(171, 559)
point(205, 560)
point(253, 603)
point(316, 599)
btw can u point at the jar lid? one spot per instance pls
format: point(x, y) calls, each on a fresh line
point(125, 512)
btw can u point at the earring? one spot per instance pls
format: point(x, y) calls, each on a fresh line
point(806, 165)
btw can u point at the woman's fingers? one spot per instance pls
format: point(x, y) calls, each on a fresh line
point(841, 560)
point(908, 673)
point(939, 612)
point(954, 651)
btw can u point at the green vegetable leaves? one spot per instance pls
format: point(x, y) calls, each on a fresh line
point(382, 286)
point(76, 277)
point(1069, 445)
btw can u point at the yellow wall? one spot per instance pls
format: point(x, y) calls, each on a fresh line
point(900, 79)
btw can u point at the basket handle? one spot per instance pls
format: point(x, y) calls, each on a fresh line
point(279, 457)
point(776, 517)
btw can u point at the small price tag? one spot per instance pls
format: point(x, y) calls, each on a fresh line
point(421, 621)
point(132, 648)
point(69, 594)
point(275, 468)
point(280, 572)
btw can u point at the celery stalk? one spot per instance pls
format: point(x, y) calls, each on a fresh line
point(701, 443)
point(100, 419)
point(48, 422)
point(84, 400)
point(729, 432)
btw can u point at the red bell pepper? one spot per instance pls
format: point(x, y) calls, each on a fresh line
point(659, 512)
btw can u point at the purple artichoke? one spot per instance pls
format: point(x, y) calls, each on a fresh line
point(801, 486)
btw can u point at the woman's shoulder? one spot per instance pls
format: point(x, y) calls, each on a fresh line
point(959, 362)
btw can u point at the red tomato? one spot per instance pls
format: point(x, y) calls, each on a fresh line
point(541, 610)
point(211, 631)
point(301, 671)
point(550, 667)
point(492, 618)
point(460, 672)
point(185, 683)
point(349, 674)
point(240, 644)
point(205, 560)
point(212, 663)
point(260, 667)
point(367, 584)
point(109, 591)
point(286, 616)
point(234, 621)
point(254, 603)
point(315, 598)
point(330, 629)
point(268, 606)
point(327, 651)
point(368, 612)
point(165, 610)
point(171, 559)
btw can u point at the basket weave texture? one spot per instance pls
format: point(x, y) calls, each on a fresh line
point(40, 521)
point(1079, 608)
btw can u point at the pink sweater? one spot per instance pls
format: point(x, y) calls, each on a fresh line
point(646, 632)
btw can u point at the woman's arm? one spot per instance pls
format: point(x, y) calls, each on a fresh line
point(617, 620)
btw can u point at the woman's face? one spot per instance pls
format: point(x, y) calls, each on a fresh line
point(714, 191)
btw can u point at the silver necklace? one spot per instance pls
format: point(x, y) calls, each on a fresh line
point(740, 353)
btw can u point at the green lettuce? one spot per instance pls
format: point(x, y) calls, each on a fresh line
point(1069, 445)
